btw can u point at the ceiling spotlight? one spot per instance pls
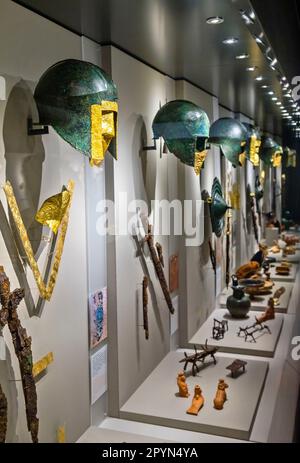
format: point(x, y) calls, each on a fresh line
point(282, 107)
point(284, 79)
point(215, 20)
point(242, 56)
point(259, 40)
point(295, 105)
point(264, 86)
point(246, 17)
point(230, 41)
point(278, 103)
point(271, 93)
point(274, 98)
point(251, 68)
point(259, 78)
point(274, 62)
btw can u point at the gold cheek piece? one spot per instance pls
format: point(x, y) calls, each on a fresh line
point(103, 129)
point(45, 291)
point(199, 161)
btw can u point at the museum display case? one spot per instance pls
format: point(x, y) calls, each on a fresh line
point(149, 259)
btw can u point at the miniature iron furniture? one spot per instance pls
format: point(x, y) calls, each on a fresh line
point(219, 329)
point(235, 366)
point(249, 331)
point(199, 357)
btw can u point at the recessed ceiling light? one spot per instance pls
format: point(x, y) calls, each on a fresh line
point(259, 78)
point(259, 40)
point(271, 93)
point(246, 17)
point(230, 41)
point(278, 103)
point(251, 68)
point(274, 62)
point(215, 20)
point(274, 98)
point(295, 105)
point(242, 56)
point(264, 86)
point(284, 79)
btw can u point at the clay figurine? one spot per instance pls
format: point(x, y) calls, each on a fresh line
point(269, 314)
point(221, 395)
point(182, 385)
point(197, 403)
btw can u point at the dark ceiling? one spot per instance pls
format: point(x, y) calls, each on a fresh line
point(173, 37)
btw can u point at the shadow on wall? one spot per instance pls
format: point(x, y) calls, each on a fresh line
point(144, 167)
point(24, 160)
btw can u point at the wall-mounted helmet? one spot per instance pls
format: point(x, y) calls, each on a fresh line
point(185, 129)
point(79, 100)
point(230, 135)
point(271, 152)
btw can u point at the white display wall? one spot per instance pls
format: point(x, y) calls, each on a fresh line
point(39, 166)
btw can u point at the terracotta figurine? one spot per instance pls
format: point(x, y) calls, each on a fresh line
point(197, 403)
point(221, 395)
point(182, 385)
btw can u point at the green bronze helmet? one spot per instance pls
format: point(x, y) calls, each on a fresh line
point(271, 152)
point(185, 129)
point(231, 136)
point(253, 143)
point(79, 100)
point(218, 208)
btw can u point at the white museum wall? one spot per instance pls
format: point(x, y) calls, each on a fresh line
point(142, 176)
point(197, 277)
point(30, 44)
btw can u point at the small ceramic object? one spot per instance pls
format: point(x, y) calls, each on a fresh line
point(182, 385)
point(238, 304)
point(197, 403)
point(221, 395)
point(247, 270)
point(269, 314)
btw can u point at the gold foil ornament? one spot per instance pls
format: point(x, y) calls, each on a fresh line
point(53, 210)
point(254, 150)
point(45, 290)
point(235, 197)
point(199, 161)
point(42, 364)
point(103, 130)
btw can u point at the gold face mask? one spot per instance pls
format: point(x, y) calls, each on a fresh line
point(242, 157)
point(255, 144)
point(199, 161)
point(104, 123)
point(276, 159)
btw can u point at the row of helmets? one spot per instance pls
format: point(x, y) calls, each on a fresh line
point(79, 100)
